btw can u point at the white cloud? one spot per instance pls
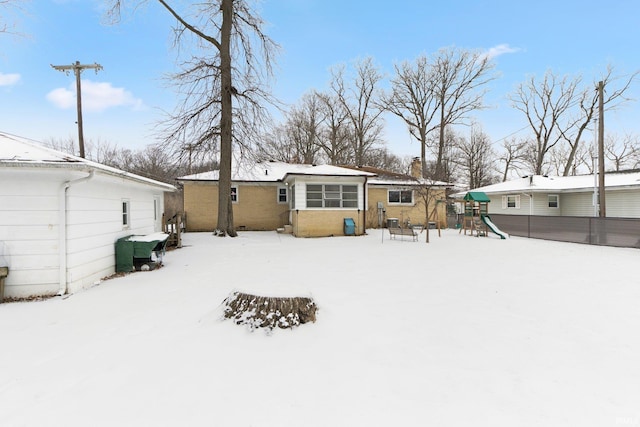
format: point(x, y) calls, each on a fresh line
point(9, 79)
point(500, 49)
point(95, 97)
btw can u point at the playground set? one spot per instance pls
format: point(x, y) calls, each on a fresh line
point(476, 216)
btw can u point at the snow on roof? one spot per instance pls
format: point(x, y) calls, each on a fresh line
point(386, 177)
point(274, 172)
point(385, 180)
point(540, 183)
point(17, 151)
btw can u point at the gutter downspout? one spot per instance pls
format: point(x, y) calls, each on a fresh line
point(62, 233)
point(530, 196)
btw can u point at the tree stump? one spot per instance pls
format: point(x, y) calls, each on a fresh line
point(269, 312)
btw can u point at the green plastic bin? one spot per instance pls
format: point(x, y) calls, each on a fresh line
point(124, 255)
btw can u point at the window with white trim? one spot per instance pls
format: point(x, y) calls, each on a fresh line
point(400, 197)
point(126, 214)
point(282, 195)
point(554, 201)
point(511, 202)
point(156, 208)
point(234, 194)
point(332, 196)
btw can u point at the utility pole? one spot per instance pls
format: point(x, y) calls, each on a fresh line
point(77, 68)
point(603, 211)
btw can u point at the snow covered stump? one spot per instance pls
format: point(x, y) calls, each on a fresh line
point(269, 312)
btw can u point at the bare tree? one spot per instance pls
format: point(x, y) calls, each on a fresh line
point(413, 100)
point(360, 101)
point(336, 133)
point(622, 152)
point(235, 57)
point(587, 100)
point(427, 194)
point(457, 76)
point(430, 95)
point(585, 158)
point(512, 156)
point(559, 109)
point(65, 145)
point(304, 128)
point(544, 103)
point(449, 171)
point(382, 158)
point(476, 159)
point(277, 146)
point(9, 7)
point(557, 158)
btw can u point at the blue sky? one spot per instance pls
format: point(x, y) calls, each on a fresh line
point(123, 102)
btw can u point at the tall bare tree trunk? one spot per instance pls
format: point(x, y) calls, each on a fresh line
point(225, 208)
point(423, 153)
point(439, 169)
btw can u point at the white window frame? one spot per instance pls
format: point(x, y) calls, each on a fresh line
point(506, 201)
point(557, 201)
point(234, 194)
point(126, 214)
point(337, 196)
point(400, 202)
point(156, 208)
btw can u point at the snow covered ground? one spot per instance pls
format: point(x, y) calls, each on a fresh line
point(463, 331)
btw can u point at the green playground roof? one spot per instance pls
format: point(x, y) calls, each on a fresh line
point(477, 196)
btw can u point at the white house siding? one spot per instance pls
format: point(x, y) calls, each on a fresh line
point(623, 203)
point(30, 202)
point(94, 223)
point(496, 207)
point(577, 204)
point(29, 231)
point(541, 205)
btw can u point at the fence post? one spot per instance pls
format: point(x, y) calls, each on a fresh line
point(178, 230)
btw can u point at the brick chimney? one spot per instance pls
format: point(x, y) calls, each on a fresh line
point(416, 168)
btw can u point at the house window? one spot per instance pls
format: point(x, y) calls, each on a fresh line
point(332, 196)
point(511, 202)
point(234, 194)
point(404, 197)
point(156, 209)
point(554, 201)
point(126, 220)
point(282, 195)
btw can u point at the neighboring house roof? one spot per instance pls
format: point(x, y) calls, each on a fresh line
point(275, 172)
point(21, 152)
point(561, 184)
point(385, 177)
